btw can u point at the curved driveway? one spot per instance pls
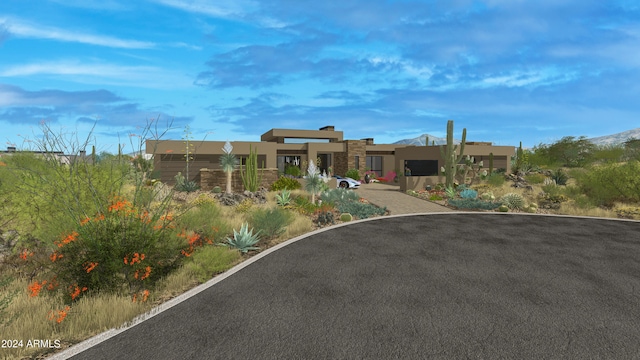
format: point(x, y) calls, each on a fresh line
point(437, 286)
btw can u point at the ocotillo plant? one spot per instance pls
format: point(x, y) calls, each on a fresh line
point(449, 155)
point(228, 162)
point(250, 178)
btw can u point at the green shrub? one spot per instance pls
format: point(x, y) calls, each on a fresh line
point(435, 197)
point(205, 219)
point(216, 190)
point(121, 249)
point(210, 261)
point(534, 178)
point(303, 205)
point(335, 196)
point(513, 201)
point(244, 239)
point(360, 210)
point(285, 183)
point(270, 222)
point(475, 204)
point(610, 183)
point(293, 171)
point(496, 179)
point(346, 217)
point(353, 173)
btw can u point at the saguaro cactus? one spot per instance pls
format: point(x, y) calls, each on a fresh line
point(490, 163)
point(449, 155)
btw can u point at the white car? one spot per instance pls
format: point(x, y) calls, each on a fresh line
point(347, 183)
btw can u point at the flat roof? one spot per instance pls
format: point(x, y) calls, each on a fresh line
point(274, 135)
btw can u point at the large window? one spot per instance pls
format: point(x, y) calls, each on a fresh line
point(375, 164)
point(421, 167)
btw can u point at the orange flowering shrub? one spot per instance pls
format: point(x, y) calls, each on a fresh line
point(123, 248)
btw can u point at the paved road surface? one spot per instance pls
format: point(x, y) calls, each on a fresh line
point(441, 286)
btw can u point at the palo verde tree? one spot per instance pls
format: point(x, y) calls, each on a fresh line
point(449, 155)
point(228, 162)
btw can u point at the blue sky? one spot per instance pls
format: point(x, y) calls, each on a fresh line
point(507, 70)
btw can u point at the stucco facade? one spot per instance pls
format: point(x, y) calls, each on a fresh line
point(289, 147)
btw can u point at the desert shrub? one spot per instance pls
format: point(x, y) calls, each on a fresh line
point(335, 196)
point(285, 183)
point(270, 222)
point(534, 178)
point(360, 210)
point(474, 204)
point(303, 205)
point(353, 173)
point(205, 219)
point(216, 190)
point(211, 260)
point(435, 197)
point(468, 194)
point(609, 183)
point(292, 170)
point(513, 201)
point(120, 249)
point(496, 179)
point(244, 206)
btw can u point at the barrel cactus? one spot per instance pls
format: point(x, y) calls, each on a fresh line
point(513, 201)
point(346, 217)
point(503, 208)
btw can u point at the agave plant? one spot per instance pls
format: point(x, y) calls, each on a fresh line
point(243, 240)
point(450, 192)
point(284, 198)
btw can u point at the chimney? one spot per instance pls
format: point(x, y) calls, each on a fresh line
point(327, 128)
point(369, 141)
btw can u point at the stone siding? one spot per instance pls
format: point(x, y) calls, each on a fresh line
point(210, 178)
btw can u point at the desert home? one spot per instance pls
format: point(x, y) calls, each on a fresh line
point(279, 148)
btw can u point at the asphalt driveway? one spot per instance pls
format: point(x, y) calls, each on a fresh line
point(437, 286)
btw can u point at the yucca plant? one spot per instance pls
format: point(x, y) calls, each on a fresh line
point(314, 182)
point(284, 198)
point(228, 162)
point(243, 240)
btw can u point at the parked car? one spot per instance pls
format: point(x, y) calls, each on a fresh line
point(347, 183)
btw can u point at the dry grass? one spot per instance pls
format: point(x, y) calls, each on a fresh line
point(87, 317)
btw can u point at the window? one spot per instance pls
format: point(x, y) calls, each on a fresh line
point(421, 167)
point(357, 162)
point(375, 164)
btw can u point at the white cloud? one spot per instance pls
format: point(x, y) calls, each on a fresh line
point(23, 29)
point(102, 73)
point(221, 9)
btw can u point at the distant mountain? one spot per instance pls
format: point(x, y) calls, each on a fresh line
point(616, 139)
point(419, 141)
